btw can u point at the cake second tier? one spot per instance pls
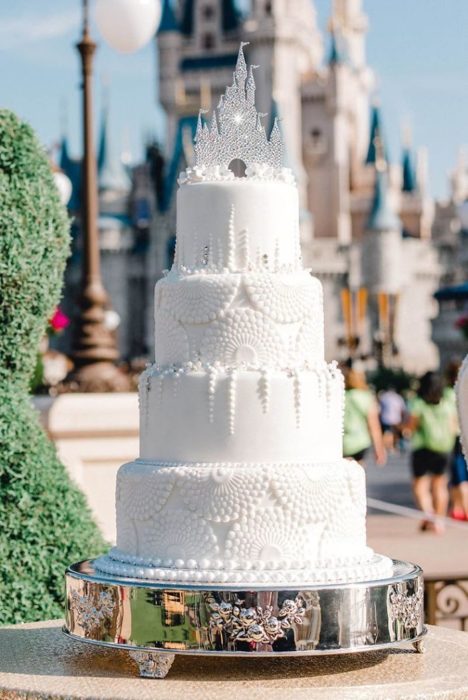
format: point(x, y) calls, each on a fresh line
point(195, 413)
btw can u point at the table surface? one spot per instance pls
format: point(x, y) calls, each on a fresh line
point(38, 661)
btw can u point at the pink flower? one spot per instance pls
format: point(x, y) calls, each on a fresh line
point(59, 321)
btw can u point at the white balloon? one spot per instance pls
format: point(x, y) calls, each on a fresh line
point(64, 186)
point(111, 319)
point(127, 25)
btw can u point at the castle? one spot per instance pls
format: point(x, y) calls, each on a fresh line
point(366, 223)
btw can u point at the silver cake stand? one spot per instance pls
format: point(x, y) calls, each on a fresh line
point(156, 620)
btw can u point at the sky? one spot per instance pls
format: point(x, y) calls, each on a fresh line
point(417, 48)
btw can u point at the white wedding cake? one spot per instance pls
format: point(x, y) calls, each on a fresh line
point(241, 476)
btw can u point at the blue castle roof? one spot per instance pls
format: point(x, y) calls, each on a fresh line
point(177, 161)
point(375, 133)
point(111, 171)
point(169, 21)
point(337, 56)
point(409, 183)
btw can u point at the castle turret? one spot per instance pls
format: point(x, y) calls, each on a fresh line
point(112, 175)
point(169, 43)
point(381, 245)
point(284, 38)
point(381, 264)
point(375, 135)
point(348, 16)
point(409, 183)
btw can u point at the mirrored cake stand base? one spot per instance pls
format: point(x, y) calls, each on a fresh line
point(155, 621)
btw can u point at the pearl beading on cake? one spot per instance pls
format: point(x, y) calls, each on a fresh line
point(220, 521)
point(373, 568)
point(214, 372)
point(256, 172)
point(256, 320)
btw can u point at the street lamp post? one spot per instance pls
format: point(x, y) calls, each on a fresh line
point(95, 350)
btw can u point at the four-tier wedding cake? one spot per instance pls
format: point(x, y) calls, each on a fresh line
point(241, 476)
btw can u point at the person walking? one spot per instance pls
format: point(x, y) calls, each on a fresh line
point(458, 465)
point(433, 423)
point(361, 419)
point(392, 416)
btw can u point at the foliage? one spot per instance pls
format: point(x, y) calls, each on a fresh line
point(385, 377)
point(45, 522)
point(462, 324)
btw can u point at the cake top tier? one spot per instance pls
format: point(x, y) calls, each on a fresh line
point(235, 143)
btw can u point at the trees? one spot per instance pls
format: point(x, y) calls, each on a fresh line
point(45, 522)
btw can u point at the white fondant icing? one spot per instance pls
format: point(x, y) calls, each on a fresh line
point(232, 518)
point(239, 319)
point(175, 346)
point(197, 299)
point(285, 297)
point(243, 337)
point(180, 428)
point(268, 210)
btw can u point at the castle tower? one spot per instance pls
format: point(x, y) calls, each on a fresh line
point(285, 41)
point(197, 53)
point(169, 43)
point(348, 16)
point(351, 24)
point(381, 260)
point(327, 135)
point(416, 209)
point(381, 245)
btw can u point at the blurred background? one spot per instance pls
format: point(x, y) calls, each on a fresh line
point(373, 106)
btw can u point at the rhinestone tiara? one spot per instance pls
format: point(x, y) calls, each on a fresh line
point(236, 130)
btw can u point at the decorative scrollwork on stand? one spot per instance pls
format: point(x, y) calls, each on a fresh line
point(448, 600)
point(407, 608)
point(91, 611)
point(255, 624)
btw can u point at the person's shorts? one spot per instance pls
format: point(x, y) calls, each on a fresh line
point(458, 468)
point(358, 456)
point(425, 461)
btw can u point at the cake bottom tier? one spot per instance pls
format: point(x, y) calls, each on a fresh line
point(206, 522)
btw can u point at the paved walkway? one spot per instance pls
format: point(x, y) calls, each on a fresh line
point(399, 537)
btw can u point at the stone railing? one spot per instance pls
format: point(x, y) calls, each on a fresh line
point(446, 602)
point(94, 434)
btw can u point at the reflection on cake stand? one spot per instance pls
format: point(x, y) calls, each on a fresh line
point(155, 621)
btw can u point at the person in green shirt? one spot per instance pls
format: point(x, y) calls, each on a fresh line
point(361, 419)
point(433, 422)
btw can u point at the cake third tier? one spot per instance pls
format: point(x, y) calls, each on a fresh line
point(242, 522)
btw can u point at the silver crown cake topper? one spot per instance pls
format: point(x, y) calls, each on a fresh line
point(236, 130)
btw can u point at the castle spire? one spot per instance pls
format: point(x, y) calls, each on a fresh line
point(111, 172)
point(382, 216)
point(375, 136)
point(168, 19)
point(409, 183)
point(337, 56)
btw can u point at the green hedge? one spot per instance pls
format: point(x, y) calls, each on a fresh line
point(45, 523)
